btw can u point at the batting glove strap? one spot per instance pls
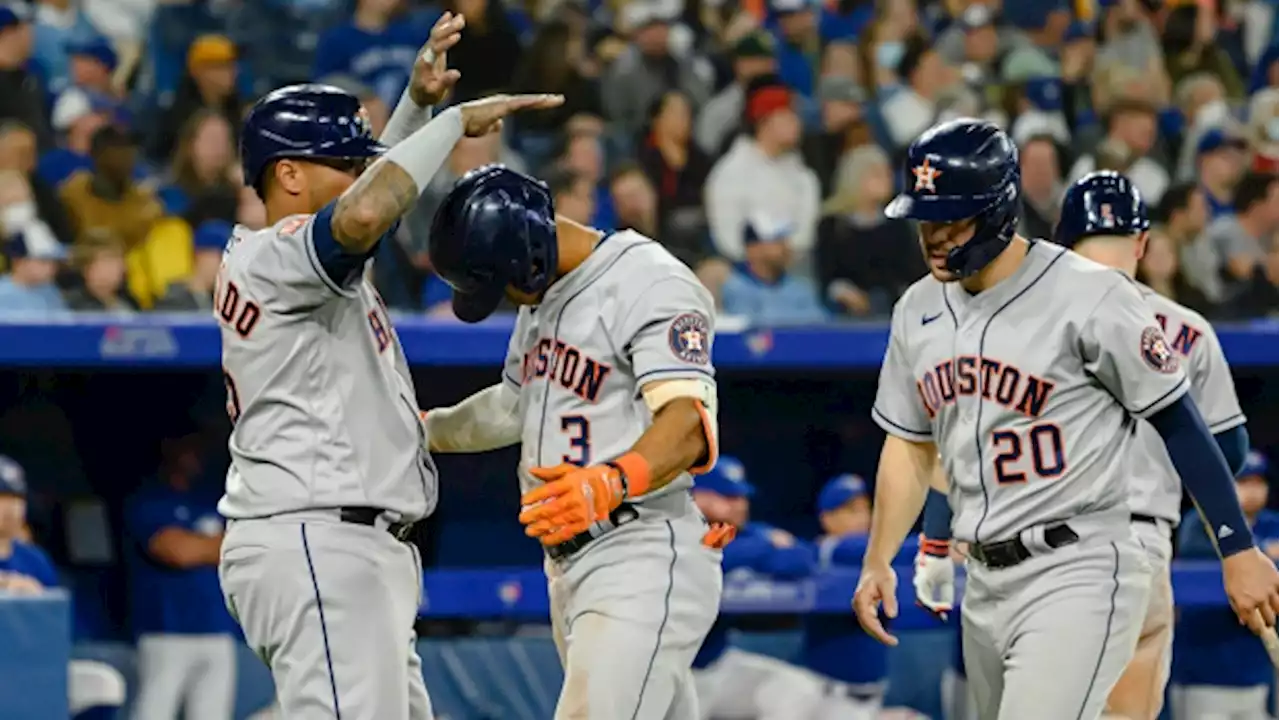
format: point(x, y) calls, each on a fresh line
point(635, 474)
point(935, 548)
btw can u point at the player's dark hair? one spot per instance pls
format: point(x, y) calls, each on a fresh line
point(1253, 189)
point(1176, 199)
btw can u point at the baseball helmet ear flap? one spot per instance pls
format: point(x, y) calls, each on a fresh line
point(496, 228)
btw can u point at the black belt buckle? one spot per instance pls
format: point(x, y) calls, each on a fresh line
point(1007, 553)
point(622, 515)
point(369, 516)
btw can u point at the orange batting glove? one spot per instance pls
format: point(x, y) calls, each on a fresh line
point(719, 535)
point(574, 498)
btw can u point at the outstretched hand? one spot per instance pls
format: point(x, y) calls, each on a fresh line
point(483, 116)
point(432, 80)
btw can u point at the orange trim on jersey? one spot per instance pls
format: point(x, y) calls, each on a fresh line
point(713, 447)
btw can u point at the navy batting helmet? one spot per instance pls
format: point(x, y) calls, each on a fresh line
point(1101, 203)
point(958, 170)
point(304, 121)
point(495, 228)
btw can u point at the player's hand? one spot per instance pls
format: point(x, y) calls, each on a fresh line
point(432, 80)
point(935, 580)
point(877, 586)
point(719, 535)
point(483, 116)
point(1253, 588)
point(570, 501)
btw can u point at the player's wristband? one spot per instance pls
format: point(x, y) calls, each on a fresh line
point(936, 548)
point(636, 474)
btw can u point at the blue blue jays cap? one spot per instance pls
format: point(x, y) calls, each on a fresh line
point(727, 478)
point(840, 490)
point(12, 14)
point(96, 47)
point(1255, 463)
point(13, 481)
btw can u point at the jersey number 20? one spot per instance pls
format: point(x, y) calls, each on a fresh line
point(1042, 442)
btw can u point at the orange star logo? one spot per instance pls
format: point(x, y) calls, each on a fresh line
point(925, 175)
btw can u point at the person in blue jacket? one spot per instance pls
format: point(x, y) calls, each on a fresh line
point(186, 637)
point(853, 663)
point(734, 684)
point(1220, 669)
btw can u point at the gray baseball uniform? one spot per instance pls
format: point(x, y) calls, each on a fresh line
point(1030, 391)
point(325, 417)
point(630, 609)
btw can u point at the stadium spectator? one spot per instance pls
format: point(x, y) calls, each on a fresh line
point(378, 46)
point(760, 287)
point(1042, 186)
point(554, 64)
point(186, 641)
point(1263, 131)
point(582, 153)
point(58, 24)
point(1220, 670)
point(205, 174)
point(1161, 269)
point(675, 165)
point(1131, 133)
point(732, 682)
point(195, 292)
point(1220, 162)
point(648, 67)
point(1232, 247)
point(21, 96)
point(635, 202)
point(210, 83)
point(721, 116)
point(100, 261)
point(34, 255)
point(25, 569)
point(854, 665)
point(1259, 298)
point(799, 45)
point(91, 63)
point(884, 43)
point(574, 195)
point(980, 46)
point(1202, 106)
point(763, 173)
point(489, 51)
point(913, 108)
point(108, 196)
point(842, 127)
point(1129, 38)
point(77, 116)
point(864, 260)
point(18, 155)
point(1190, 45)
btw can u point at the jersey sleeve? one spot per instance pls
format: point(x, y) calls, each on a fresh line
point(668, 332)
point(1124, 348)
point(513, 366)
point(1212, 386)
point(898, 409)
point(303, 266)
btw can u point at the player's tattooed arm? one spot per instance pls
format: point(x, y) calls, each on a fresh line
point(368, 209)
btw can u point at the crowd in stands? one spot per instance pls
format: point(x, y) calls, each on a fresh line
point(758, 139)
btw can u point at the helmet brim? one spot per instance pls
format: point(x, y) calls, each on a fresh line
point(908, 207)
point(475, 306)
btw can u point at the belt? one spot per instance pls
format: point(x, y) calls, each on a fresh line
point(369, 516)
point(1148, 519)
point(1007, 553)
point(621, 515)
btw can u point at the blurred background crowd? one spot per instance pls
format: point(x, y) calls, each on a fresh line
point(759, 140)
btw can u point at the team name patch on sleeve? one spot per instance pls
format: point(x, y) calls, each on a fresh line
point(1156, 353)
point(690, 338)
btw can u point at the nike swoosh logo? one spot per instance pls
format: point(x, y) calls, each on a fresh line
point(926, 319)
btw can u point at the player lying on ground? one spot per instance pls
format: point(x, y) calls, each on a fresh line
point(1105, 220)
point(608, 387)
point(1023, 368)
point(327, 446)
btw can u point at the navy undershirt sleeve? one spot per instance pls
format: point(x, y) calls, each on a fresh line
point(1234, 444)
point(341, 265)
point(1204, 472)
point(936, 524)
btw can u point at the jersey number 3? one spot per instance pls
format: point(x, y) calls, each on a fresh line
point(1042, 442)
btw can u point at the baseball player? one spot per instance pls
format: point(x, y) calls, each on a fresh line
point(1105, 220)
point(609, 389)
point(855, 666)
point(1023, 367)
point(1220, 670)
point(329, 468)
point(734, 684)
